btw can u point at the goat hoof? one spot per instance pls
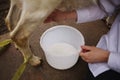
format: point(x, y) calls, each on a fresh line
point(35, 61)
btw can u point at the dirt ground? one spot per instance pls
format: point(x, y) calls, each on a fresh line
point(11, 59)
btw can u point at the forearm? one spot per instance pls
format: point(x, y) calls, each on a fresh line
point(71, 15)
point(89, 14)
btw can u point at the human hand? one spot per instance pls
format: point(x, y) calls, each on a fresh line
point(59, 15)
point(92, 54)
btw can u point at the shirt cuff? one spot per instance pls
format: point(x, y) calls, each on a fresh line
point(114, 61)
point(98, 68)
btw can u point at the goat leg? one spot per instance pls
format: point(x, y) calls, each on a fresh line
point(14, 14)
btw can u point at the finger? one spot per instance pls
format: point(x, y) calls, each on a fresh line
point(84, 50)
point(86, 60)
point(83, 57)
point(82, 54)
point(86, 47)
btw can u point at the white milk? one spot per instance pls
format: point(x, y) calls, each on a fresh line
point(62, 55)
point(62, 49)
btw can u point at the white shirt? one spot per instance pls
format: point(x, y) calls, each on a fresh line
point(110, 41)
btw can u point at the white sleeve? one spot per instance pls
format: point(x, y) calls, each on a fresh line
point(91, 13)
point(110, 42)
point(114, 61)
point(114, 45)
point(95, 12)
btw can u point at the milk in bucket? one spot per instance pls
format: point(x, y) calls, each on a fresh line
point(61, 45)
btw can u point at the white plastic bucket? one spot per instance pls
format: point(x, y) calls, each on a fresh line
point(62, 34)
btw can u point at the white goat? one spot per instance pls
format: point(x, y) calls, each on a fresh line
point(23, 17)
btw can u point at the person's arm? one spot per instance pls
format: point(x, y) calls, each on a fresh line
point(89, 14)
point(93, 54)
point(100, 10)
point(58, 16)
point(80, 16)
